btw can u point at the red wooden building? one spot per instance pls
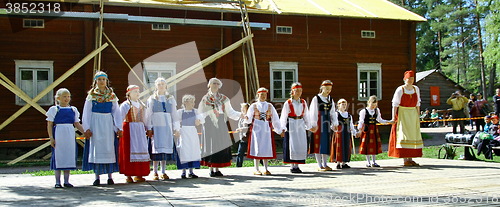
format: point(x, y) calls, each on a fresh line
point(362, 46)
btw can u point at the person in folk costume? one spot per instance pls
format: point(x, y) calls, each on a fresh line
point(321, 109)
point(133, 149)
point(243, 133)
point(161, 116)
point(343, 128)
point(214, 109)
point(101, 120)
point(405, 140)
point(61, 120)
point(295, 120)
point(188, 143)
point(371, 144)
point(263, 117)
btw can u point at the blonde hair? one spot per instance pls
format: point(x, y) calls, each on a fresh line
point(293, 85)
point(186, 98)
point(372, 99)
point(59, 93)
point(341, 101)
point(323, 86)
point(157, 81)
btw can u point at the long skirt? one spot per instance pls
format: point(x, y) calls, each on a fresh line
point(341, 145)
point(216, 144)
point(133, 150)
point(370, 141)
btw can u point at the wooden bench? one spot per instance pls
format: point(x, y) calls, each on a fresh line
point(455, 146)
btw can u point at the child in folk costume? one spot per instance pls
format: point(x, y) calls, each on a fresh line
point(263, 117)
point(295, 120)
point(134, 155)
point(343, 128)
point(101, 120)
point(188, 144)
point(368, 129)
point(321, 110)
point(216, 143)
point(243, 133)
point(161, 114)
point(60, 121)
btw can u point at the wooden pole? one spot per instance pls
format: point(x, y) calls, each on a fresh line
point(22, 157)
point(54, 84)
point(101, 21)
point(353, 146)
point(125, 61)
point(193, 69)
point(14, 89)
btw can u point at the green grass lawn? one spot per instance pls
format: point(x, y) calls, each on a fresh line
point(428, 152)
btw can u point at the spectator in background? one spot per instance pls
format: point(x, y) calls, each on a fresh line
point(480, 108)
point(470, 105)
point(496, 100)
point(458, 102)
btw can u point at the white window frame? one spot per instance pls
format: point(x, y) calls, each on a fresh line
point(284, 28)
point(159, 67)
point(35, 65)
point(370, 67)
point(36, 20)
point(282, 66)
point(368, 34)
point(161, 27)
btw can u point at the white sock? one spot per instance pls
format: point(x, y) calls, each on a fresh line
point(325, 159)
point(191, 171)
point(163, 166)
point(318, 160)
point(373, 158)
point(265, 164)
point(183, 171)
point(66, 177)
point(97, 177)
point(155, 166)
point(110, 175)
point(256, 164)
point(58, 176)
point(368, 158)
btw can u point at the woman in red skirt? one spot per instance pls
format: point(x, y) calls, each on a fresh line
point(405, 140)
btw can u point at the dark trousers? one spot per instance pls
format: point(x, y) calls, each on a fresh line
point(242, 149)
point(458, 114)
point(479, 125)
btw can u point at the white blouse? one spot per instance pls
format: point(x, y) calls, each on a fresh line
point(362, 115)
point(396, 100)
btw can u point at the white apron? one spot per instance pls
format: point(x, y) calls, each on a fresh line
point(298, 139)
point(65, 146)
point(138, 142)
point(261, 143)
point(188, 145)
point(163, 138)
point(102, 142)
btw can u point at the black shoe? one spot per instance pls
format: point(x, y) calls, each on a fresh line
point(212, 174)
point(375, 165)
point(97, 182)
point(58, 186)
point(368, 165)
point(295, 170)
point(218, 173)
point(338, 166)
point(192, 175)
point(183, 176)
point(346, 166)
point(111, 182)
point(68, 185)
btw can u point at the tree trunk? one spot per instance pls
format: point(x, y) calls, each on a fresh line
point(481, 58)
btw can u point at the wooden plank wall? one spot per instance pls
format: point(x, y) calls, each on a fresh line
point(326, 48)
point(446, 88)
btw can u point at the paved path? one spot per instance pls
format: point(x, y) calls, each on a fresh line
point(435, 183)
